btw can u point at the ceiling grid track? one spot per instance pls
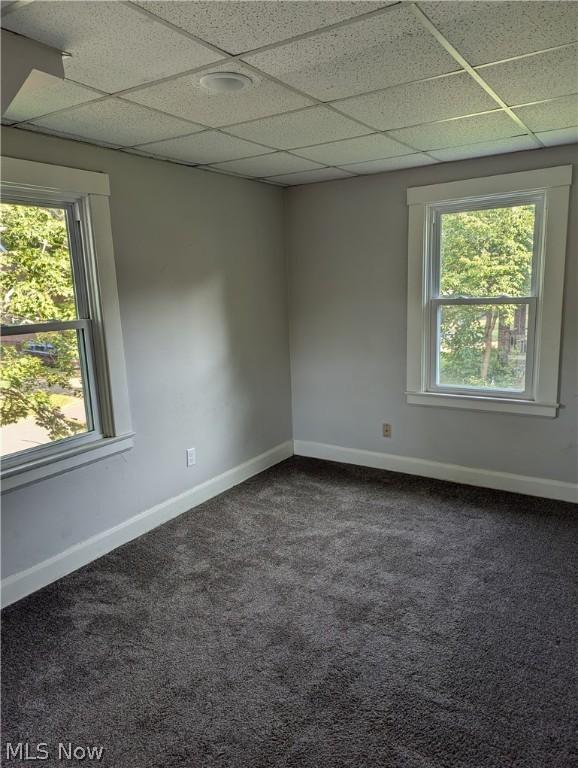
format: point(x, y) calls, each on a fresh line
point(227, 56)
point(314, 32)
point(445, 43)
point(271, 78)
point(317, 103)
point(165, 23)
point(262, 48)
point(332, 105)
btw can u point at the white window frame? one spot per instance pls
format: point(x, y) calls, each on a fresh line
point(549, 189)
point(86, 195)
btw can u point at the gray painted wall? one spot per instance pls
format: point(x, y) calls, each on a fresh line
point(348, 278)
point(204, 315)
point(202, 288)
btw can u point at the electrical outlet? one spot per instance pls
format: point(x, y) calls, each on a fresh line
point(191, 456)
point(387, 430)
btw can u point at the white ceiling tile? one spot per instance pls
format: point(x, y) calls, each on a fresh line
point(413, 103)
point(356, 150)
point(299, 129)
point(113, 46)
point(461, 131)
point(391, 164)
point(186, 97)
point(561, 136)
point(384, 50)
point(482, 149)
point(63, 135)
point(42, 93)
point(274, 164)
point(311, 177)
point(489, 31)
point(537, 77)
point(246, 25)
point(550, 115)
point(207, 147)
point(116, 122)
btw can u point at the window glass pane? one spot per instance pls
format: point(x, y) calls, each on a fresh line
point(483, 346)
point(487, 252)
point(42, 387)
point(35, 265)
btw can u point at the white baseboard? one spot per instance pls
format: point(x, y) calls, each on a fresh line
point(25, 582)
point(486, 478)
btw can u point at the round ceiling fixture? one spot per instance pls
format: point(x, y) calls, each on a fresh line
point(225, 82)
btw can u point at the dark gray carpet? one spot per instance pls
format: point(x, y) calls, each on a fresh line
point(318, 615)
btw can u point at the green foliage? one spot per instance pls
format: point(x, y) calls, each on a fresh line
point(484, 253)
point(37, 286)
point(466, 334)
point(487, 252)
point(36, 269)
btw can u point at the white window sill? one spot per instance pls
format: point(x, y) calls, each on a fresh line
point(473, 403)
point(39, 469)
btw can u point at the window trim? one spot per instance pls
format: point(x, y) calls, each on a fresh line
point(88, 191)
point(554, 185)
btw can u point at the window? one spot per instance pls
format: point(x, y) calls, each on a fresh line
point(47, 379)
point(64, 396)
point(486, 268)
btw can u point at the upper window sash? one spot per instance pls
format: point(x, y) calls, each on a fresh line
point(74, 215)
point(433, 253)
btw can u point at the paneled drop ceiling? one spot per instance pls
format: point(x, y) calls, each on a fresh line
point(339, 88)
